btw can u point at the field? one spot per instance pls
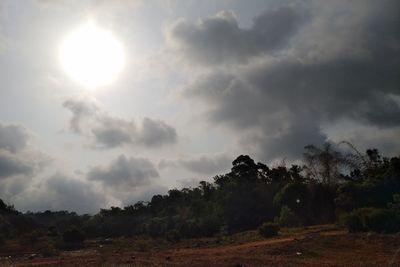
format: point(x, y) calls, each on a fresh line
point(313, 246)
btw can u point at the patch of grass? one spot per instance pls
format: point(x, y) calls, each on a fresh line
point(268, 229)
point(140, 244)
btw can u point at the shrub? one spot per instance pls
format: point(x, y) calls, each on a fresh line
point(382, 220)
point(288, 218)
point(52, 231)
point(173, 236)
point(293, 195)
point(268, 229)
point(47, 248)
point(352, 222)
point(30, 238)
point(73, 235)
point(371, 219)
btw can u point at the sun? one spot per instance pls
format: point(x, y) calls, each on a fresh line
point(92, 56)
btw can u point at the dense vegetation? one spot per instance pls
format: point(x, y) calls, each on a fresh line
point(358, 191)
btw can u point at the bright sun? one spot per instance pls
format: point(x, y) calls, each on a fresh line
point(92, 56)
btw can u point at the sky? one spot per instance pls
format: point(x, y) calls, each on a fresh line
point(202, 82)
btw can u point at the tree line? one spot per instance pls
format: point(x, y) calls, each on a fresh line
point(358, 191)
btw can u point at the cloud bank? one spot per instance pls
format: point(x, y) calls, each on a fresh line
point(278, 90)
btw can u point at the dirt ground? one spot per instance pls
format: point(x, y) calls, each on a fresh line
point(315, 246)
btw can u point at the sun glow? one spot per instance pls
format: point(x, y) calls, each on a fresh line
point(92, 56)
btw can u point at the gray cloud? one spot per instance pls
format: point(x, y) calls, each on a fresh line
point(82, 110)
point(156, 133)
point(107, 131)
point(13, 138)
point(113, 132)
point(205, 165)
point(11, 165)
point(219, 38)
point(279, 102)
point(61, 192)
point(125, 171)
point(16, 157)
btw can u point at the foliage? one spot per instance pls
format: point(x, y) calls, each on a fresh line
point(268, 229)
point(352, 221)
point(287, 218)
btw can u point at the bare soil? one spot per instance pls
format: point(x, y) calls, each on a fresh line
point(315, 246)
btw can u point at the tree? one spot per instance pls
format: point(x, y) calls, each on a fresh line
point(324, 164)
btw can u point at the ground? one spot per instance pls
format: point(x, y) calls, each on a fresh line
point(313, 246)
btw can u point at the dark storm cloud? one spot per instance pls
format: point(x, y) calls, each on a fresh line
point(108, 131)
point(125, 171)
point(219, 38)
point(280, 102)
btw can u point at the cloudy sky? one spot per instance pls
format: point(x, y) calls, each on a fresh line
point(201, 82)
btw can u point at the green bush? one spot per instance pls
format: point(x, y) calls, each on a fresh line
point(352, 222)
point(268, 229)
point(288, 218)
point(371, 219)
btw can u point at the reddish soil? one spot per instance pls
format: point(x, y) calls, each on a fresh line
point(317, 246)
